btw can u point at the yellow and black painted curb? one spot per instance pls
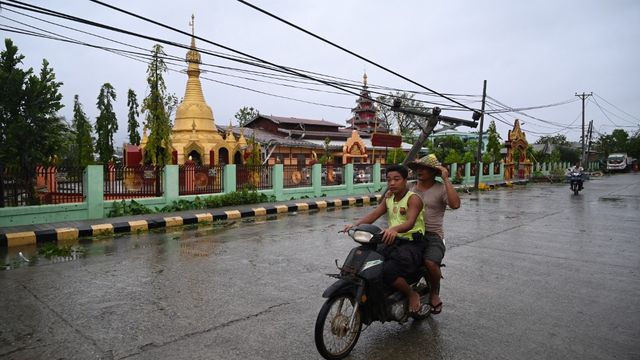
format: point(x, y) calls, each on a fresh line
point(54, 235)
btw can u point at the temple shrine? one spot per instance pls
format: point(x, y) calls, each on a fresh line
point(516, 144)
point(365, 115)
point(194, 134)
point(195, 138)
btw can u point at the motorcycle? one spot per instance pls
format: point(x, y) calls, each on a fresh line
point(359, 296)
point(575, 181)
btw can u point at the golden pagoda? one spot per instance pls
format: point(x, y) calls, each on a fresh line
point(194, 135)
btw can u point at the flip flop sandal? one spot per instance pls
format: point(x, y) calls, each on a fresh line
point(437, 308)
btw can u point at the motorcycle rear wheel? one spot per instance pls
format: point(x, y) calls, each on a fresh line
point(334, 339)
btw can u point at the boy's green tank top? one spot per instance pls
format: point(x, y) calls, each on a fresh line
point(397, 214)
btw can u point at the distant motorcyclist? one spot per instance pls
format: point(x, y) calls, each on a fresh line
point(579, 170)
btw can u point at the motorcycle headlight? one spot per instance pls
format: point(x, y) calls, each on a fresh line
point(362, 237)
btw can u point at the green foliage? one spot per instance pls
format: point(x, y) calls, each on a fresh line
point(106, 123)
point(406, 124)
point(487, 158)
point(243, 197)
point(468, 157)
point(122, 208)
point(31, 132)
point(558, 172)
point(253, 147)
point(327, 157)
point(82, 130)
point(634, 145)
point(619, 141)
point(395, 156)
point(246, 114)
point(50, 250)
point(132, 123)
point(441, 146)
point(453, 157)
point(493, 145)
point(555, 139)
point(158, 106)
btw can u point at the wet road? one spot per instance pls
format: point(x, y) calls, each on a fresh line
point(532, 273)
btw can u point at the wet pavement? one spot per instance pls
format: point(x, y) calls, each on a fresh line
point(532, 273)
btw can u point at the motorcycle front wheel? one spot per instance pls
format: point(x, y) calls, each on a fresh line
point(334, 337)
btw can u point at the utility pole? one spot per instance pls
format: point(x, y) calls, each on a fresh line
point(476, 182)
point(589, 135)
point(583, 96)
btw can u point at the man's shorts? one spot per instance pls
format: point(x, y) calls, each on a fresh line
point(402, 260)
point(434, 248)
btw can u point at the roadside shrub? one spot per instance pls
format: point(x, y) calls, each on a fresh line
point(243, 197)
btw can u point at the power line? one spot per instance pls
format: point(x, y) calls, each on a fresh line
point(172, 59)
point(602, 110)
point(605, 100)
point(527, 115)
point(280, 68)
point(508, 109)
point(348, 51)
point(159, 40)
point(138, 56)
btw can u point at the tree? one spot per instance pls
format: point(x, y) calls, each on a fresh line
point(407, 124)
point(327, 157)
point(396, 156)
point(619, 140)
point(246, 114)
point(441, 146)
point(31, 132)
point(106, 123)
point(132, 123)
point(157, 107)
point(556, 140)
point(493, 144)
point(567, 153)
point(634, 145)
point(82, 130)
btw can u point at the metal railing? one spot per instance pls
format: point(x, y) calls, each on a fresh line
point(362, 173)
point(127, 182)
point(254, 177)
point(332, 175)
point(296, 176)
point(200, 179)
point(43, 185)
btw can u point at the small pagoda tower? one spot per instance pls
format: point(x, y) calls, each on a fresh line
point(365, 114)
point(194, 134)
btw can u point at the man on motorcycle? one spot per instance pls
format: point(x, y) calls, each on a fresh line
point(435, 197)
point(405, 219)
point(577, 169)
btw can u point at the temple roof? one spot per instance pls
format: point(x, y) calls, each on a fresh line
point(291, 120)
point(264, 137)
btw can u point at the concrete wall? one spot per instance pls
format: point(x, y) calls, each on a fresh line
point(95, 207)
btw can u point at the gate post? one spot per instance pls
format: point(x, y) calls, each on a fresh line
point(94, 191)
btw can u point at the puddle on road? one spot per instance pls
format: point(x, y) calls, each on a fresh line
point(194, 240)
point(612, 199)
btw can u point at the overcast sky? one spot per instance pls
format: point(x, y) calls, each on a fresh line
point(530, 52)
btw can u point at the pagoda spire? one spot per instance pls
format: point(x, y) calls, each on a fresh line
point(194, 106)
point(365, 118)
